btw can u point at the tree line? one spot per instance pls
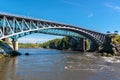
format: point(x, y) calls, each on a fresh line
point(66, 43)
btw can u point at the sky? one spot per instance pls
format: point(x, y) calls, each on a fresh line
point(98, 15)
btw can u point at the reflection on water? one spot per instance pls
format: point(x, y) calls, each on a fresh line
point(8, 69)
point(45, 64)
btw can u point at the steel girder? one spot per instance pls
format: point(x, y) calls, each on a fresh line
point(12, 25)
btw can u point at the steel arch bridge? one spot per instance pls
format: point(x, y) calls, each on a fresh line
point(16, 26)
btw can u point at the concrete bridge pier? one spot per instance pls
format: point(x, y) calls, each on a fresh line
point(15, 44)
point(82, 46)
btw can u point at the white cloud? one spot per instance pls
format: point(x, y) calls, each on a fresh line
point(113, 6)
point(90, 15)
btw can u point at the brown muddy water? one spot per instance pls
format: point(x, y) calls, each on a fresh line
point(46, 64)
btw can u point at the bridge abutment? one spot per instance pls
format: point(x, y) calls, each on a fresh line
point(6, 39)
point(15, 44)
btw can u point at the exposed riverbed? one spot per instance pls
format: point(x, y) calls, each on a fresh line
point(46, 64)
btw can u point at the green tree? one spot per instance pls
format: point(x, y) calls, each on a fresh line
point(108, 32)
point(115, 32)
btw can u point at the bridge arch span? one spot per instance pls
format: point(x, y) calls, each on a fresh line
point(60, 31)
point(18, 25)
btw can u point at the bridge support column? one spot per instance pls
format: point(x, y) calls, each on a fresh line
point(15, 44)
point(82, 44)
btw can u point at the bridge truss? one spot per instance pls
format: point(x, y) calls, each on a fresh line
point(15, 26)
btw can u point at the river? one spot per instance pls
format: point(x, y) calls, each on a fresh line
point(47, 64)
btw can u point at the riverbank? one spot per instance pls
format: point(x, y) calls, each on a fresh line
point(11, 54)
point(29, 45)
point(2, 56)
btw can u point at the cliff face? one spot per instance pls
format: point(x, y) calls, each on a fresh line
point(112, 45)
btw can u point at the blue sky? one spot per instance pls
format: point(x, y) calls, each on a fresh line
point(98, 15)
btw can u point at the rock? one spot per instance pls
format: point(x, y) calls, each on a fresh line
point(118, 48)
point(114, 50)
point(14, 53)
point(104, 54)
point(109, 55)
point(27, 54)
